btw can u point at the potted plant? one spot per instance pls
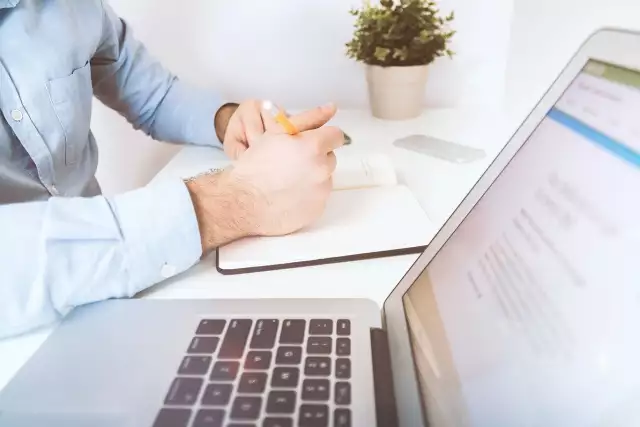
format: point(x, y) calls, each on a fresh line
point(397, 40)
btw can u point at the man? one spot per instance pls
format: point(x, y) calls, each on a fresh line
point(62, 244)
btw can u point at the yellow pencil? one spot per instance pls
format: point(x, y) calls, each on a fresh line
point(280, 117)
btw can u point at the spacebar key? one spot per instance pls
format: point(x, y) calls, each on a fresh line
point(235, 339)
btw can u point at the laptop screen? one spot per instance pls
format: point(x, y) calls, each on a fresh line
point(530, 313)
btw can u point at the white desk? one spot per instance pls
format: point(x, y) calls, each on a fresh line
point(438, 185)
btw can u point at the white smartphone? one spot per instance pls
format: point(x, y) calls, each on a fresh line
point(439, 148)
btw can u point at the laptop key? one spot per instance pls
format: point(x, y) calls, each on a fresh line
point(211, 327)
point(258, 360)
point(203, 345)
point(343, 369)
point(285, 377)
point(344, 327)
point(343, 347)
point(246, 408)
point(342, 393)
point(281, 402)
point(321, 327)
point(235, 339)
point(342, 417)
point(184, 391)
point(195, 365)
point(217, 394)
point(252, 382)
point(172, 417)
point(315, 390)
point(319, 345)
point(224, 371)
point(317, 366)
point(292, 331)
point(289, 356)
point(209, 418)
point(264, 335)
point(313, 416)
point(277, 422)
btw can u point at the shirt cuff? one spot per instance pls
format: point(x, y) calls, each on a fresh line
point(163, 238)
point(186, 115)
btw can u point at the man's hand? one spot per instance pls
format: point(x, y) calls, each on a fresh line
point(279, 185)
point(238, 126)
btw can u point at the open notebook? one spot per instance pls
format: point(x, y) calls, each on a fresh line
point(368, 215)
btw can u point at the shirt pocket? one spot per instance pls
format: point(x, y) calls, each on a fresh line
point(71, 99)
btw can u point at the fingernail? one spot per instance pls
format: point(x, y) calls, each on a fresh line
point(329, 106)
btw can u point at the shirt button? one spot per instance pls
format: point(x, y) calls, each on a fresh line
point(168, 270)
point(16, 115)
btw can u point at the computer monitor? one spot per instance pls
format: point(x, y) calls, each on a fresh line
point(530, 312)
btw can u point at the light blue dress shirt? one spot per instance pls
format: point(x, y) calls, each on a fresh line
point(62, 244)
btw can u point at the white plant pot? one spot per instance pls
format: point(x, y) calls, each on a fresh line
point(396, 93)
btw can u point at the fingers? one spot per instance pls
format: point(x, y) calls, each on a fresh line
point(332, 162)
point(270, 124)
point(269, 121)
point(234, 149)
point(239, 149)
point(253, 124)
point(326, 139)
point(325, 167)
point(314, 118)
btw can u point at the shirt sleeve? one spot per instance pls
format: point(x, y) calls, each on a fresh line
point(65, 252)
point(129, 80)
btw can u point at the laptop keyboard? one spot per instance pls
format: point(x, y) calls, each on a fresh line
point(263, 373)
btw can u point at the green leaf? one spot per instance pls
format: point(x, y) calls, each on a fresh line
point(386, 3)
point(381, 53)
point(401, 53)
point(400, 33)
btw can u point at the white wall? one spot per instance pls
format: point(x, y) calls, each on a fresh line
point(295, 53)
point(291, 51)
point(546, 33)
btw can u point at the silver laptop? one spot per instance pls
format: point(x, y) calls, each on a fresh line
point(523, 311)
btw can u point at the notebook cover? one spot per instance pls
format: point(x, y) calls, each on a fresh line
point(357, 225)
point(332, 260)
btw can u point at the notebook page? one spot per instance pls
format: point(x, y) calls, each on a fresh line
point(355, 222)
point(353, 171)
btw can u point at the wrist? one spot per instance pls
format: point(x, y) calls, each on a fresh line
point(222, 117)
point(222, 208)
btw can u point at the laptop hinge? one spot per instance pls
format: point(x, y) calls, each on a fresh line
point(386, 411)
